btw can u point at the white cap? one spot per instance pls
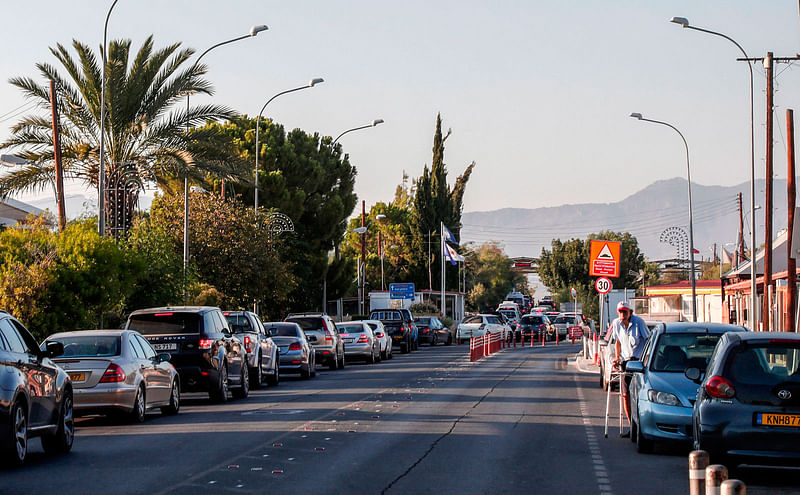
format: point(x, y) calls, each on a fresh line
point(624, 305)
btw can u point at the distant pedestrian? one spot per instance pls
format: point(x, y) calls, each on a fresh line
point(630, 334)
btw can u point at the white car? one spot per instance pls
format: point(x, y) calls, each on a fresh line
point(383, 337)
point(479, 325)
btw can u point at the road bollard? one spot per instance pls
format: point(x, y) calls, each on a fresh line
point(715, 475)
point(698, 462)
point(556, 336)
point(733, 487)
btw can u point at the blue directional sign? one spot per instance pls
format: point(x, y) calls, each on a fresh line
point(401, 291)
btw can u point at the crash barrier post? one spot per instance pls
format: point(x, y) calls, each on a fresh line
point(733, 487)
point(532, 339)
point(556, 336)
point(596, 350)
point(715, 475)
point(698, 462)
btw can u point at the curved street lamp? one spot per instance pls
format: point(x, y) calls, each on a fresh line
point(101, 180)
point(311, 84)
point(638, 116)
point(684, 22)
point(371, 124)
point(253, 32)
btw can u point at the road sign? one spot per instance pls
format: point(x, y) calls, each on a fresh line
point(573, 293)
point(401, 291)
point(603, 285)
point(605, 259)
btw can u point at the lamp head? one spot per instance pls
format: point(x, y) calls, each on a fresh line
point(360, 230)
point(315, 81)
point(380, 216)
point(257, 29)
point(684, 22)
point(376, 122)
point(636, 116)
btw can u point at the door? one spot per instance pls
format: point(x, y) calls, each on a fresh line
point(266, 345)
point(159, 374)
point(39, 372)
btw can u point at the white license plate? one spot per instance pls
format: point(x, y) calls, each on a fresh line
point(165, 347)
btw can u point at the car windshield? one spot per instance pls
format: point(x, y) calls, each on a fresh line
point(766, 364)
point(352, 328)
point(423, 320)
point(509, 314)
point(385, 315)
point(282, 331)
point(308, 324)
point(565, 319)
point(473, 319)
point(165, 323)
point(239, 323)
point(677, 351)
point(89, 346)
point(531, 320)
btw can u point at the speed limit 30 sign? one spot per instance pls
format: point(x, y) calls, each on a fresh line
point(603, 285)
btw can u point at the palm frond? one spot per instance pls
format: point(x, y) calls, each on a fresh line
point(31, 178)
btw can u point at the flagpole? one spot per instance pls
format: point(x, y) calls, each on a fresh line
point(441, 254)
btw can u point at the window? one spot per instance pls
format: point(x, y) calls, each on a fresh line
point(765, 364)
point(165, 323)
point(239, 323)
point(15, 342)
point(386, 315)
point(135, 349)
point(677, 351)
point(493, 320)
point(283, 331)
point(350, 328)
point(148, 350)
point(474, 319)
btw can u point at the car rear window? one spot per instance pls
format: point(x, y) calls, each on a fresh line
point(765, 364)
point(423, 320)
point(351, 328)
point(385, 315)
point(677, 351)
point(239, 323)
point(282, 331)
point(89, 346)
point(308, 324)
point(165, 323)
point(532, 320)
point(474, 319)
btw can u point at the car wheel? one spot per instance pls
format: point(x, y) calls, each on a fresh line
point(257, 378)
point(313, 366)
point(643, 445)
point(61, 441)
point(243, 390)
point(305, 374)
point(433, 340)
point(404, 347)
point(333, 364)
point(343, 362)
point(16, 443)
point(220, 392)
point(379, 356)
point(371, 357)
point(139, 410)
point(174, 399)
point(449, 339)
point(275, 378)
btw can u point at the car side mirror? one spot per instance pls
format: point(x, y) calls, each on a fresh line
point(634, 367)
point(53, 349)
point(162, 358)
point(693, 374)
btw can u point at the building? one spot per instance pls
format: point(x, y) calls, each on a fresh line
point(13, 212)
point(673, 302)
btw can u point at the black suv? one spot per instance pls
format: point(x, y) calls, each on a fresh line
point(208, 357)
point(35, 394)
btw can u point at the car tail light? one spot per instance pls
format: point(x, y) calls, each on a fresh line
point(328, 336)
point(379, 335)
point(247, 343)
point(163, 314)
point(720, 388)
point(113, 374)
point(226, 313)
point(295, 346)
point(205, 343)
point(363, 339)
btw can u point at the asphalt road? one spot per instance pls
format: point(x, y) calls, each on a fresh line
point(521, 421)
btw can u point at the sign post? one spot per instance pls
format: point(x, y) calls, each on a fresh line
point(401, 291)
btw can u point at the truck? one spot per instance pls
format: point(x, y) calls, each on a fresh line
point(399, 323)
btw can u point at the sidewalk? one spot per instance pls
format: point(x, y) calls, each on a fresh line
point(586, 365)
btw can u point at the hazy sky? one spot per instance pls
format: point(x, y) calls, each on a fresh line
point(538, 93)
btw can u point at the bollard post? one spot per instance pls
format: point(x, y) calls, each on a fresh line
point(556, 336)
point(698, 462)
point(733, 487)
point(715, 475)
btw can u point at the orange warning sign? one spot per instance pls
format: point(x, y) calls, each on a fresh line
point(605, 259)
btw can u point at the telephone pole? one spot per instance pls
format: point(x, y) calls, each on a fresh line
point(740, 241)
point(791, 263)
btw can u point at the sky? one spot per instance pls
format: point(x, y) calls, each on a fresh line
point(537, 93)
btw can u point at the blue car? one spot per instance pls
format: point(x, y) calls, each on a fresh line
point(662, 396)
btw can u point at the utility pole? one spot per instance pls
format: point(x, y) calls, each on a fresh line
point(361, 295)
point(740, 241)
point(767, 304)
point(62, 215)
point(430, 276)
point(791, 265)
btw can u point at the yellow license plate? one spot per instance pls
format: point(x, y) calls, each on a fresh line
point(77, 377)
point(790, 420)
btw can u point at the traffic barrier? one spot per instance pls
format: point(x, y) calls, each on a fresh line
point(480, 347)
point(715, 475)
point(698, 462)
point(733, 487)
point(556, 336)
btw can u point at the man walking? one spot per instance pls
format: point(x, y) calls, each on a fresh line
point(630, 334)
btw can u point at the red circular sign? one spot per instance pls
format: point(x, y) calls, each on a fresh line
point(603, 285)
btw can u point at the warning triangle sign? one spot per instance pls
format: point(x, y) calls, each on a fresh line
point(605, 253)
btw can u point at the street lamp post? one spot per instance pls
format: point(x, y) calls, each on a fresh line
point(310, 84)
point(638, 116)
point(253, 32)
point(682, 21)
point(371, 124)
point(101, 171)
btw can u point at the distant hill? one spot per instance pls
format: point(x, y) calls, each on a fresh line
point(646, 214)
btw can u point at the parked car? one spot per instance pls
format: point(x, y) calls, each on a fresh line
point(117, 371)
point(208, 357)
point(562, 324)
point(35, 394)
point(383, 337)
point(533, 326)
point(262, 353)
point(432, 330)
point(295, 352)
point(400, 326)
point(359, 341)
point(478, 326)
point(661, 395)
point(414, 329)
point(321, 333)
point(748, 403)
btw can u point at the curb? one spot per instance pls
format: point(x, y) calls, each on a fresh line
point(580, 364)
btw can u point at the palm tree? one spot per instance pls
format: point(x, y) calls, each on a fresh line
point(145, 131)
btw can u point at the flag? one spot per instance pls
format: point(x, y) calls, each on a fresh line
point(451, 254)
point(448, 236)
point(726, 257)
point(696, 251)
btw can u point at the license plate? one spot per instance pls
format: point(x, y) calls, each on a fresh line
point(77, 377)
point(768, 419)
point(348, 341)
point(165, 347)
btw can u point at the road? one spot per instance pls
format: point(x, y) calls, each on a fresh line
point(521, 421)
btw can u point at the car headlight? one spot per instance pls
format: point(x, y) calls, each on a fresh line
point(665, 398)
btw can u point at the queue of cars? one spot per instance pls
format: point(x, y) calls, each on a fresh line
point(162, 353)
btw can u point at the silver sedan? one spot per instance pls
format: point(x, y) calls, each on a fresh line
point(383, 337)
point(359, 341)
point(117, 371)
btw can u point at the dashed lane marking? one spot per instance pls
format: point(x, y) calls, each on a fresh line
point(600, 472)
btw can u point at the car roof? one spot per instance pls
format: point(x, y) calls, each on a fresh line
point(91, 333)
point(688, 326)
point(176, 309)
point(749, 336)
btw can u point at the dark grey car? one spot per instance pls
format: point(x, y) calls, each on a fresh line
point(296, 354)
point(748, 404)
